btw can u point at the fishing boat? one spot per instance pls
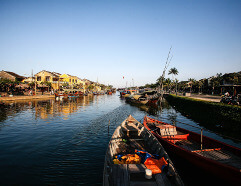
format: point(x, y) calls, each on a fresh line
point(216, 158)
point(145, 98)
point(135, 157)
point(61, 95)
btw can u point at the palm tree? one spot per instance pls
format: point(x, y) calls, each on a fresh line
point(174, 72)
point(191, 82)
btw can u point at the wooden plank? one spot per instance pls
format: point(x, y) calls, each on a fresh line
point(135, 168)
point(125, 175)
point(205, 150)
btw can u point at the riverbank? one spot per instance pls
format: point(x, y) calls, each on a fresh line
point(204, 97)
point(15, 98)
point(219, 117)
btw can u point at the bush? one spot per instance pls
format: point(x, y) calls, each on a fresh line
point(214, 116)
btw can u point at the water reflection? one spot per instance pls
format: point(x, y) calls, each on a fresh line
point(46, 109)
point(50, 142)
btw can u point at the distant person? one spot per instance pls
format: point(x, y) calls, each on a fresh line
point(227, 94)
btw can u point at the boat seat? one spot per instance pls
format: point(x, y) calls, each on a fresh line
point(130, 130)
point(167, 130)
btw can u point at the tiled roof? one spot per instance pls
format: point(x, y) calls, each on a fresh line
point(14, 74)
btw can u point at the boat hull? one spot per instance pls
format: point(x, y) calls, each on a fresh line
point(130, 136)
point(222, 171)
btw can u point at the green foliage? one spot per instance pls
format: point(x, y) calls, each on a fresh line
point(5, 81)
point(91, 87)
point(47, 83)
point(212, 115)
point(173, 71)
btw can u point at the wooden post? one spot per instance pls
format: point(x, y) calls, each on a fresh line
point(201, 138)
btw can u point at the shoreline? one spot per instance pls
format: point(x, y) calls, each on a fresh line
point(15, 98)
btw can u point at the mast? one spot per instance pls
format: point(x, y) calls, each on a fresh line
point(160, 89)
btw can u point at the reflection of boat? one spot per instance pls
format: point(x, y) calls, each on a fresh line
point(213, 156)
point(128, 163)
point(68, 95)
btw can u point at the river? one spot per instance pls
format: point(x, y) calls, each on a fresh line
point(49, 142)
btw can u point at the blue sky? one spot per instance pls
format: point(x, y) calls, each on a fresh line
point(111, 39)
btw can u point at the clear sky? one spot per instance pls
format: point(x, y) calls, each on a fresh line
point(106, 40)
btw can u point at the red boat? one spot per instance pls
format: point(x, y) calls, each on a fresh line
point(214, 157)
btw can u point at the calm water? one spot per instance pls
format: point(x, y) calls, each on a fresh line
point(64, 142)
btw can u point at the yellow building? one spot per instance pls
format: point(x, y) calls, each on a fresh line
point(81, 84)
point(97, 87)
point(69, 80)
point(46, 76)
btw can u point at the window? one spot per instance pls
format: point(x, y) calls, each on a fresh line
point(70, 80)
point(38, 78)
point(47, 78)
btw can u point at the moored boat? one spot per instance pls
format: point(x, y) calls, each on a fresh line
point(214, 157)
point(135, 157)
point(146, 98)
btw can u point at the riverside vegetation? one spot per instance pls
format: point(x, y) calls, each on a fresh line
point(223, 118)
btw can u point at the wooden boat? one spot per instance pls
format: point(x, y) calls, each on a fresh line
point(214, 157)
point(130, 141)
point(146, 98)
point(61, 95)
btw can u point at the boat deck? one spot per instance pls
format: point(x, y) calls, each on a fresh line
point(129, 139)
point(134, 174)
point(215, 153)
point(219, 155)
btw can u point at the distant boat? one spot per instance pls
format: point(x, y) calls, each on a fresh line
point(145, 98)
point(135, 157)
point(213, 156)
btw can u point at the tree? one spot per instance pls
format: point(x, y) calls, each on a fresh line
point(216, 81)
point(167, 83)
point(174, 72)
point(191, 83)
